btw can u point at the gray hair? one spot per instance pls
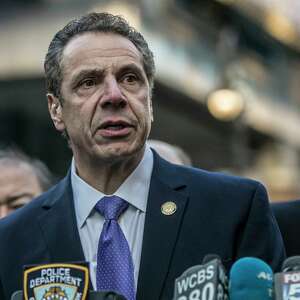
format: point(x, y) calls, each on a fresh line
point(93, 22)
point(172, 153)
point(14, 156)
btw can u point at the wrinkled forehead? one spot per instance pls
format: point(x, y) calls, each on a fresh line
point(8, 165)
point(17, 182)
point(99, 44)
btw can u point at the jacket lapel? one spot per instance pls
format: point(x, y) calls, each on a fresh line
point(59, 227)
point(160, 231)
point(58, 224)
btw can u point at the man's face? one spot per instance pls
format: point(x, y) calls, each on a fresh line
point(18, 185)
point(106, 107)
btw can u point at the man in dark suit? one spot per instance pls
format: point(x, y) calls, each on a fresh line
point(99, 74)
point(287, 215)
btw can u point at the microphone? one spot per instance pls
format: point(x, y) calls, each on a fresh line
point(209, 257)
point(287, 283)
point(93, 295)
point(206, 282)
point(291, 264)
point(18, 295)
point(250, 278)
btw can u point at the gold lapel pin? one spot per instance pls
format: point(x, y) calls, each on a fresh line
point(168, 208)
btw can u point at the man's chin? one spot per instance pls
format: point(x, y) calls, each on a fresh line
point(119, 152)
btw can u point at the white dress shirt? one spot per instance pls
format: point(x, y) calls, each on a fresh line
point(134, 190)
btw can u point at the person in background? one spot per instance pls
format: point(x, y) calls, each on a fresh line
point(21, 179)
point(287, 214)
point(139, 220)
point(171, 153)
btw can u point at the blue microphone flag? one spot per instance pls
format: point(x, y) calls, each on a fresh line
point(250, 278)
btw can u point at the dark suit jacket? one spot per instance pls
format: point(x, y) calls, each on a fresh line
point(288, 218)
point(216, 214)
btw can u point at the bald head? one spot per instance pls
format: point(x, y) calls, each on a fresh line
point(170, 152)
point(20, 180)
point(18, 185)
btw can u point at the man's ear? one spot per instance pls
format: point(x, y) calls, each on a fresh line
point(55, 110)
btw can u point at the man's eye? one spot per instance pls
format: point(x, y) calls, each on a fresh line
point(130, 78)
point(15, 206)
point(87, 83)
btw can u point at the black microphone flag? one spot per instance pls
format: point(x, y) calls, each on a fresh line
point(203, 282)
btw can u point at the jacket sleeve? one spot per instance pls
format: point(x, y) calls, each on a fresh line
point(261, 236)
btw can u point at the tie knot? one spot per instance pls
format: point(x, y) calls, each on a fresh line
point(111, 207)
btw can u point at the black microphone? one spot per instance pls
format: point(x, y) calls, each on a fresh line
point(291, 264)
point(206, 282)
point(18, 295)
point(209, 257)
point(287, 283)
point(93, 295)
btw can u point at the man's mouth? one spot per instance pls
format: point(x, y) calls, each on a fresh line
point(114, 129)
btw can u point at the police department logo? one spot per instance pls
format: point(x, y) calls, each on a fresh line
point(56, 293)
point(56, 282)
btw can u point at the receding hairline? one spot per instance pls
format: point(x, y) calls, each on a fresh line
point(65, 53)
point(93, 23)
point(16, 163)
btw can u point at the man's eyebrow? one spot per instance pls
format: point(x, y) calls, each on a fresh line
point(96, 72)
point(12, 199)
point(85, 73)
point(131, 67)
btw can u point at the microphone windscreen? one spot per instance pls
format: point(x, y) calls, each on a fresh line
point(250, 278)
point(291, 264)
point(18, 295)
point(209, 257)
point(97, 295)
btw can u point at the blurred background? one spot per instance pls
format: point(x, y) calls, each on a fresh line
point(227, 88)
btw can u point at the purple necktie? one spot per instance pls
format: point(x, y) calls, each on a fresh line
point(114, 261)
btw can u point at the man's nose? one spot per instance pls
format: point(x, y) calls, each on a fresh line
point(112, 95)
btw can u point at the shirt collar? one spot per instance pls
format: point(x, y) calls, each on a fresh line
point(134, 189)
